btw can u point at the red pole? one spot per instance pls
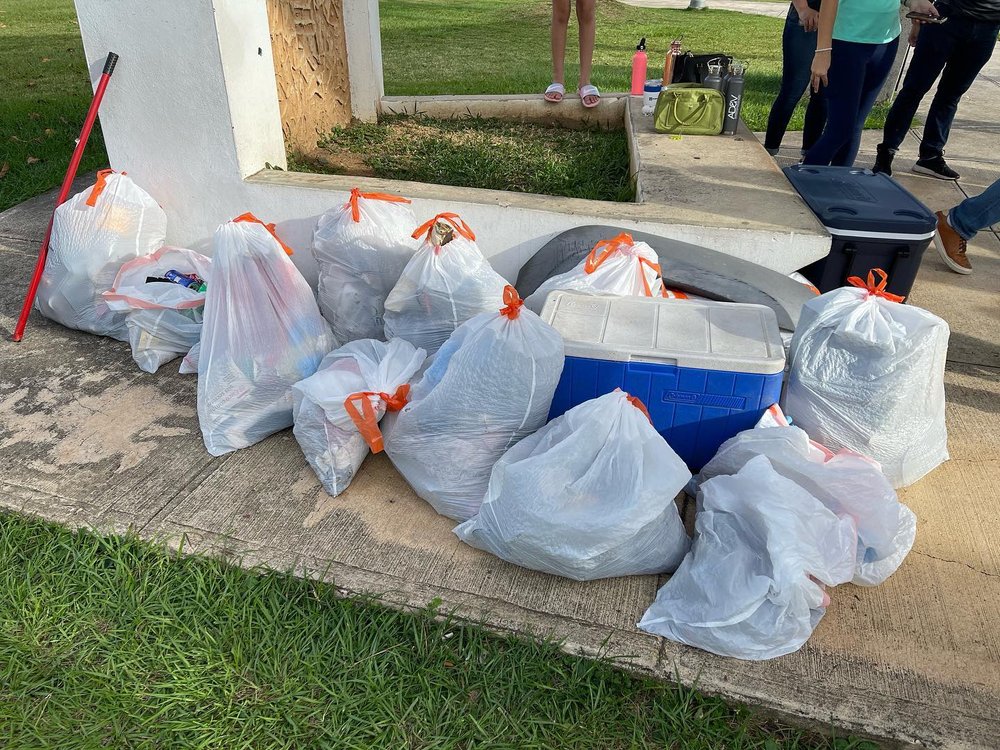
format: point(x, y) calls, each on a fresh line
point(74, 164)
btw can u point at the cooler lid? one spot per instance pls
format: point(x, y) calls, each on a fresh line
point(727, 336)
point(857, 203)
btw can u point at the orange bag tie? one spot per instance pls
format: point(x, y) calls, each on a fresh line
point(365, 419)
point(249, 217)
point(356, 193)
point(512, 302)
point(878, 290)
point(456, 221)
point(102, 182)
point(610, 247)
point(639, 405)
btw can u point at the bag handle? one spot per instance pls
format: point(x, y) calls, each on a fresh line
point(456, 221)
point(102, 182)
point(251, 219)
point(365, 419)
point(694, 114)
point(512, 303)
point(873, 289)
point(356, 194)
point(637, 403)
point(608, 248)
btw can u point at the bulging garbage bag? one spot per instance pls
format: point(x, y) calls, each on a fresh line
point(867, 374)
point(361, 248)
point(846, 482)
point(490, 386)
point(617, 266)
point(590, 495)
point(262, 334)
point(447, 282)
point(336, 410)
point(163, 315)
point(752, 585)
point(93, 234)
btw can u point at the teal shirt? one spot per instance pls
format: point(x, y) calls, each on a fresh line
point(867, 21)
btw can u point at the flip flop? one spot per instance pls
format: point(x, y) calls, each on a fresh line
point(555, 93)
point(589, 90)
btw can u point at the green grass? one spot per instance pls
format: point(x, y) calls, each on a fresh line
point(44, 95)
point(484, 153)
point(112, 642)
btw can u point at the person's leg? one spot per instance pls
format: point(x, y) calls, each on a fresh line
point(934, 45)
point(973, 45)
point(873, 76)
point(560, 23)
point(797, 49)
point(848, 63)
point(976, 213)
point(586, 17)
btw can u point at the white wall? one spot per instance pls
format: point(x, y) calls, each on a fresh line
point(192, 110)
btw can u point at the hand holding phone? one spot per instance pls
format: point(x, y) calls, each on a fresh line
point(925, 17)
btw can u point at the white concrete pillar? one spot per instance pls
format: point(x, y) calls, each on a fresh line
point(364, 57)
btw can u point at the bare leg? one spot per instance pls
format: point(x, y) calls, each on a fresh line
point(560, 22)
point(586, 16)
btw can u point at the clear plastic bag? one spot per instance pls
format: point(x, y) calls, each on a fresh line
point(867, 374)
point(262, 334)
point(442, 286)
point(618, 266)
point(846, 482)
point(361, 248)
point(163, 319)
point(752, 585)
point(93, 234)
point(490, 386)
point(337, 409)
point(590, 495)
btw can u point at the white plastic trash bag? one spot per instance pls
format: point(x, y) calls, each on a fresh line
point(361, 248)
point(590, 495)
point(163, 317)
point(262, 334)
point(618, 266)
point(447, 282)
point(337, 409)
point(867, 374)
point(846, 482)
point(752, 585)
point(93, 234)
point(490, 386)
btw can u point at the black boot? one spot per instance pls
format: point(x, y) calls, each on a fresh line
point(883, 160)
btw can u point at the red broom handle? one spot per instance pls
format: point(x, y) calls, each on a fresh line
point(74, 164)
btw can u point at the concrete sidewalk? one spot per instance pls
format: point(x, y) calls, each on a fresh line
point(88, 440)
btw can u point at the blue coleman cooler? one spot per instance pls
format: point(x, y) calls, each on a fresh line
point(704, 370)
point(874, 221)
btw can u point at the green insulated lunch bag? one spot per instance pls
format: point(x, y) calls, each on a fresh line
point(689, 109)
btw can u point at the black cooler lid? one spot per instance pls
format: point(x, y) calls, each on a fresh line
point(857, 202)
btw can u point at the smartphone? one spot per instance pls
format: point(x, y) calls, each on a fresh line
point(925, 18)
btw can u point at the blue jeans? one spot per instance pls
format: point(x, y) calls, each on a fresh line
point(857, 72)
point(797, 49)
point(973, 214)
point(960, 47)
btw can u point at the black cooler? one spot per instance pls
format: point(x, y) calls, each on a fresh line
point(875, 223)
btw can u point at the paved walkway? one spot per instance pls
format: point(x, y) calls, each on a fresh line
point(89, 440)
point(775, 10)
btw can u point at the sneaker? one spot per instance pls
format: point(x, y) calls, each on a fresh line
point(951, 246)
point(935, 166)
point(883, 160)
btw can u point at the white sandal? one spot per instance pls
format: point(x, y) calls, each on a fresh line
point(555, 93)
point(589, 90)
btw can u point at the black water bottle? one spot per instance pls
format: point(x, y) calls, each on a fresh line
point(734, 98)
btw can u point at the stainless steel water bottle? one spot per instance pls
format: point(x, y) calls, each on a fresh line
point(714, 78)
point(734, 98)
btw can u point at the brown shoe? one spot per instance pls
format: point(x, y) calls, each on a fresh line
point(951, 246)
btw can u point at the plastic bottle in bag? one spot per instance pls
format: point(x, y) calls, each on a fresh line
point(447, 282)
point(590, 495)
point(490, 386)
point(361, 249)
point(262, 334)
point(93, 234)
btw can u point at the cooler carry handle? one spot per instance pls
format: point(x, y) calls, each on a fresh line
point(854, 268)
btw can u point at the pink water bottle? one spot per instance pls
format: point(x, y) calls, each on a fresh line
point(639, 61)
